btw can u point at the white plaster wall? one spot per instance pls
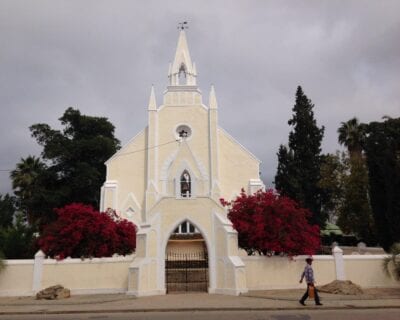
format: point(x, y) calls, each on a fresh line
point(16, 278)
point(128, 168)
point(98, 275)
point(89, 275)
point(196, 117)
point(185, 246)
point(173, 211)
point(264, 273)
point(366, 270)
point(110, 275)
point(236, 166)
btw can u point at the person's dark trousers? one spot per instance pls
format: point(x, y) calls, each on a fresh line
point(316, 296)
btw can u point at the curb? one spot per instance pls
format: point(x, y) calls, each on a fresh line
point(322, 298)
point(205, 309)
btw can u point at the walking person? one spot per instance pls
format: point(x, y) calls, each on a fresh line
point(308, 274)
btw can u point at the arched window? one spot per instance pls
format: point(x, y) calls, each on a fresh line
point(185, 228)
point(185, 183)
point(182, 75)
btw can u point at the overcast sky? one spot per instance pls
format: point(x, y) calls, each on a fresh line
point(102, 57)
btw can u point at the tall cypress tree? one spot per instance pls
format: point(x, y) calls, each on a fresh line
point(383, 159)
point(284, 181)
point(304, 164)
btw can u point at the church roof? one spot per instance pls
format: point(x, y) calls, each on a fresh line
point(239, 144)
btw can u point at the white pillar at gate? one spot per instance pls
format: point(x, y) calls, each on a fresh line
point(339, 263)
point(38, 271)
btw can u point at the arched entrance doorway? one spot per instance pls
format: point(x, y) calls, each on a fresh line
point(186, 260)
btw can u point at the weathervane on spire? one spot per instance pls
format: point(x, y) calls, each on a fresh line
point(183, 25)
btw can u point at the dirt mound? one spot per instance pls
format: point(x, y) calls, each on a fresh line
point(341, 287)
point(53, 293)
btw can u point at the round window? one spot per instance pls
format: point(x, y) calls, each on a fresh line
point(183, 131)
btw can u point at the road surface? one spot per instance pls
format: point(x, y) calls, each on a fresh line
point(365, 314)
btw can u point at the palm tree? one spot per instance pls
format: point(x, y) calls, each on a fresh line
point(351, 135)
point(24, 179)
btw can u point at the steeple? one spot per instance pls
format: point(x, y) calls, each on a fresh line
point(182, 71)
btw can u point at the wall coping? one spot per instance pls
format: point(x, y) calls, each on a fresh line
point(365, 256)
point(89, 261)
point(297, 258)
point(70, 260)
point(19, 261)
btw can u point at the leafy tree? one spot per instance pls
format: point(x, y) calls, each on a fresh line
point(267, 222)
point(17, 241)
point(7, 210)
point(82, 232)
point(16, 237)
point(382, 149)
point(355, 214)
point(2, 264)
point(75, 157)
point(303, 168)
point(25, 182)
point(352, 135)
point(391, 264)
point(331, 184)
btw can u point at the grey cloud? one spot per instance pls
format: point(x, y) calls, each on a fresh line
point(102, 57)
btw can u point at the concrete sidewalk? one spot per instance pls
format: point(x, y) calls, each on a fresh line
point(255, 300)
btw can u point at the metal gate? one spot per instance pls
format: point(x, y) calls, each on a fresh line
point(186, 272)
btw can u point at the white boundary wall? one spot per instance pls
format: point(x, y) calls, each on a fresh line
point(110, 275)
point(89, 276)
point(263, 273)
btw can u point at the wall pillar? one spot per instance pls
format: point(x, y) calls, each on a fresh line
point(339, 263)
point(38, 271)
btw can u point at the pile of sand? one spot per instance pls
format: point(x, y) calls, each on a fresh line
point(54, 293)
point(341, 287)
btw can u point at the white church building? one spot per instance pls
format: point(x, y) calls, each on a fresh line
point(168, 180)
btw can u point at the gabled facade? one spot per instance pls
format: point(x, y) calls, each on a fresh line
point(172, 174)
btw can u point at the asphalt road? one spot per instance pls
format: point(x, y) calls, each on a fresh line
point(366, 314)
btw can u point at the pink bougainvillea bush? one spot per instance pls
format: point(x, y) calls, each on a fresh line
point(268, 223)
point(83, 232)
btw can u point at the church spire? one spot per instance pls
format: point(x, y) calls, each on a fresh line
point(182, 70)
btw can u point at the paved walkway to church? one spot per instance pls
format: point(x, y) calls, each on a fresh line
point(254, 300)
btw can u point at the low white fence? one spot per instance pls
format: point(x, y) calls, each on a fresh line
point(263, 273)
point(110, 275)
point(97, 275)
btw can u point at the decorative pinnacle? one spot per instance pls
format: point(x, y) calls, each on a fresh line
point(212, 101)
point(183, 25)
point(152, 100)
